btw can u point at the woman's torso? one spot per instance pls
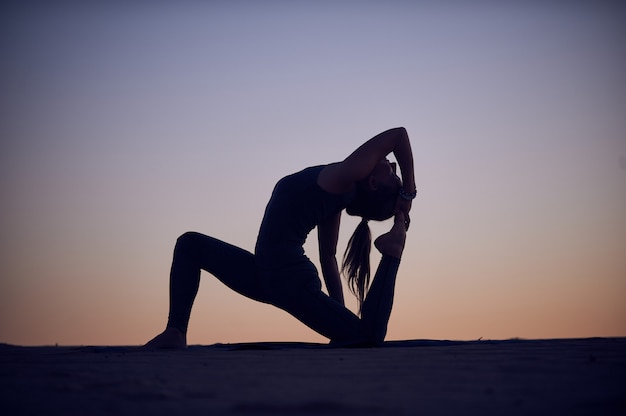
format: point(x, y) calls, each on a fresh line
point(297, 205)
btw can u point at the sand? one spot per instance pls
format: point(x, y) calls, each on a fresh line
point(515, 377)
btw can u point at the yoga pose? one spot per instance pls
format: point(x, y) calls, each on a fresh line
point(365, 184)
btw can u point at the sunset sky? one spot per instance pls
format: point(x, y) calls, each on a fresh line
point(124, 126)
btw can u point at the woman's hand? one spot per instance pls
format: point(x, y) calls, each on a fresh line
point(403, 206)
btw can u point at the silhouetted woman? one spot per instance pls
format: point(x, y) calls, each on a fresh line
point(365, 184)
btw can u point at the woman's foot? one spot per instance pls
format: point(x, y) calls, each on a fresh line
point(392, 243)
point(171, 339)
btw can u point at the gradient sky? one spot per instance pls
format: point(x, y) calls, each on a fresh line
point(122, 127)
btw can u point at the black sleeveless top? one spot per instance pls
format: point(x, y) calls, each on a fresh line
point(297, 205)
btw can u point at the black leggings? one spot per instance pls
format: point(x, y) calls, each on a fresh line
point(296, 289)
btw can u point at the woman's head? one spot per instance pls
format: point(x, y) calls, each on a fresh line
point(376, 195)
point(375, 199)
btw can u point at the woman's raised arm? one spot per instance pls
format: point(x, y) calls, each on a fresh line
point(341, 177)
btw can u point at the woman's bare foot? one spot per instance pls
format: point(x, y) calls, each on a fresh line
point(392, 243)
point(171, 339)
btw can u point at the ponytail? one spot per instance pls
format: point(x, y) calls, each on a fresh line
point(356, 261)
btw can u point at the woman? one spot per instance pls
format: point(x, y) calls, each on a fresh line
point(364, 184)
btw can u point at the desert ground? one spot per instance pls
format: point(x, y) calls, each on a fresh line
point(425, 377)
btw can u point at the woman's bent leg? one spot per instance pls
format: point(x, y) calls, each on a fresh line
point(232, 265)
point(184, 283)
point(194, 252)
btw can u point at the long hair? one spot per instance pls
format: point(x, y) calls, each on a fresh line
point(376, 205)
point(356, 261)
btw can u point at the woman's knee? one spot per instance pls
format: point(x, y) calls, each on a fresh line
point(359, 340)
point(187, 241)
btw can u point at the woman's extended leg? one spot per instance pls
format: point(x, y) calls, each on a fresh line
point(326, 316)
point(195, 252)
point(376, 308)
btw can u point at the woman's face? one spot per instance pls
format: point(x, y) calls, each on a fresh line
point(384, 175)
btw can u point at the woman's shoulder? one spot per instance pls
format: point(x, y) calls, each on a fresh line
point(331, 179)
